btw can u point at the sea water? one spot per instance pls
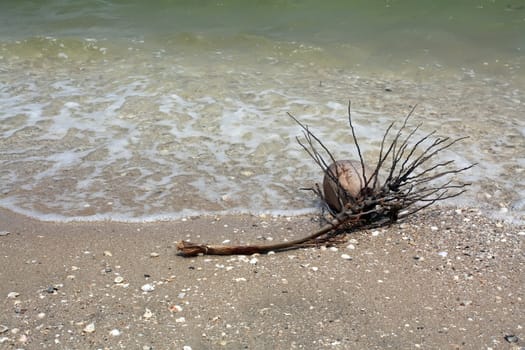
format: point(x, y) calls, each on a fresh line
point(134, 110)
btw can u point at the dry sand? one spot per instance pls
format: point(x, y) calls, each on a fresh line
point(445, 279)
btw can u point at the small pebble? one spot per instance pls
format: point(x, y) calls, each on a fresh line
point(13, 295)
point(41, 315)
point(443, 254)
point(118, 279)
point(350, 246)
point(346, 257)
point(186, 347)
point(254, 261)
point(375, 233)
point(315, 268)
point(154, 255)
point(148, 287)
point(521, 233)
point(3, 328)
point(4, 233)
point(107, 253)
point(114, 332)
point(180, 320)
point(90, 328)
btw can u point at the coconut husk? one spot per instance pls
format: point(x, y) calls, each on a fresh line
point(344, 182)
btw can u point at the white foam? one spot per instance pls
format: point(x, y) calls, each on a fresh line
point(180, 140)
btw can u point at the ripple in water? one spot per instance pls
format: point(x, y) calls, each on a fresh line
point(90, 136)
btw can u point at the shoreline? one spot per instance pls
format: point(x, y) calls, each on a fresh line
point(445, 278)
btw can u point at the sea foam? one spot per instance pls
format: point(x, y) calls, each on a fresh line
point(130, 138)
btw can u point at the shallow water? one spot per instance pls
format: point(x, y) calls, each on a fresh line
point(126, 111)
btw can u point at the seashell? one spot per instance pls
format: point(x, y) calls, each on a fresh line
point(147, 314)
point(114, 332)
point(148, 287)
point(13, 295)
point(349, 174)
point(90, 328)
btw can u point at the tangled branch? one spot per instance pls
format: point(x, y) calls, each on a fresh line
point(354, 195)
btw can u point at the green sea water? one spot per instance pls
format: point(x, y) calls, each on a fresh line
point(394, 35)
point(135, 110)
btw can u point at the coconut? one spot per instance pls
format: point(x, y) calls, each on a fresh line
point(349, 175)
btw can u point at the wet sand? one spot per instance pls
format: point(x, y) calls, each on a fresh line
point(444, 279)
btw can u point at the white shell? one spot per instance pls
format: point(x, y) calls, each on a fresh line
point(90, 328)
point(148, 287)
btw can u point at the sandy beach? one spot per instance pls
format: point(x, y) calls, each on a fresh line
point(128, 126)
point(445, 279)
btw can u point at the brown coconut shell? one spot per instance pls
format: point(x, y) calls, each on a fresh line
point(349, 174)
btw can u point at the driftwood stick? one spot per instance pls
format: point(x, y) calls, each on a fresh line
point(188, 249)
